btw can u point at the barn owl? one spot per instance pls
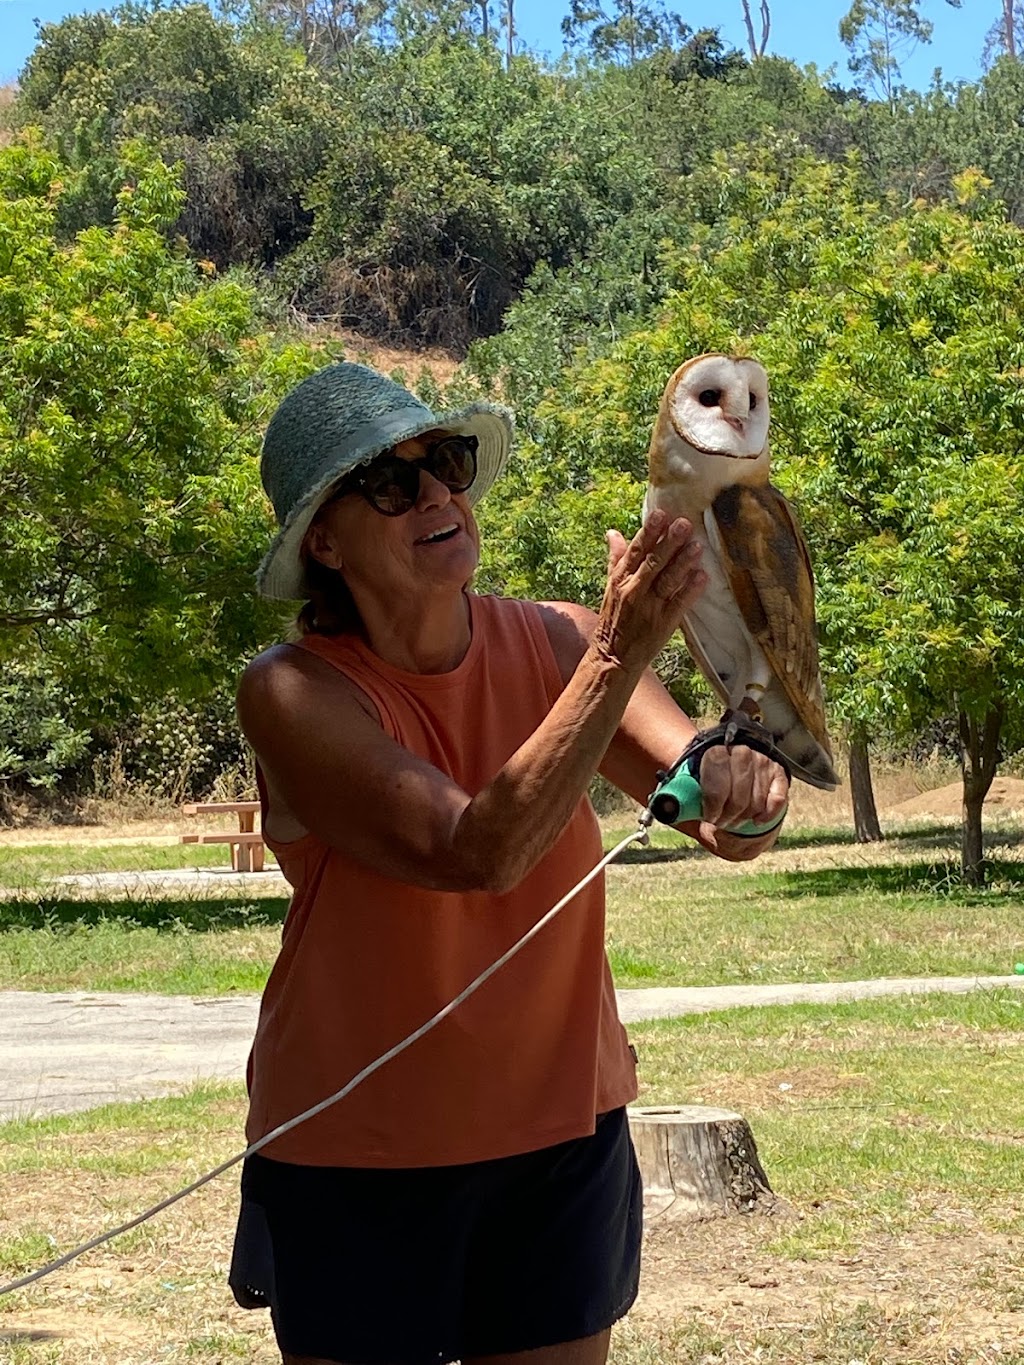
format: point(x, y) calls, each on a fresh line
point(752, 631)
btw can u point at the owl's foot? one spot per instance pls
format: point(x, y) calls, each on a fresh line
point(739, 726)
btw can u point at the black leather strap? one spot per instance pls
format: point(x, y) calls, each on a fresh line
point(735, 727)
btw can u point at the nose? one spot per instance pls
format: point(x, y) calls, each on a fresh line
point(735, 422)
point(432, 492)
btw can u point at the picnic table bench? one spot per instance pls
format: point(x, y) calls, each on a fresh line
point(246, 843)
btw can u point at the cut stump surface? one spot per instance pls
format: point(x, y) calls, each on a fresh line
point(698, 1162)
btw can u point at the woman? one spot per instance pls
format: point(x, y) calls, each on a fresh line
point(424, 758)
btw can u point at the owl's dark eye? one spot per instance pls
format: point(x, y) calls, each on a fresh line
point(708, 398)
point(753, 401)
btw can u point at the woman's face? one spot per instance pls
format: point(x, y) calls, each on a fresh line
point(433, 546)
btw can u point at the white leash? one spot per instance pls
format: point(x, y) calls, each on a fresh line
point(638, 836)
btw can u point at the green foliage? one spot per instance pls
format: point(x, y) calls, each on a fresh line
point(242, 112)
point(135, 389)
point(452, 179)
point(39, 744)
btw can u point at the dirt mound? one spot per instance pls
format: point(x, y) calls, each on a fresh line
point(1006, 795)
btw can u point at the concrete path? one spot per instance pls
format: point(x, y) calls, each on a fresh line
point(74, 1050)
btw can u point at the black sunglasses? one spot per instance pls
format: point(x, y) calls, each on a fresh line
point(391, 485)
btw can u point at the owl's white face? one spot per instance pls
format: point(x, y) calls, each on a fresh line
point(720, 406)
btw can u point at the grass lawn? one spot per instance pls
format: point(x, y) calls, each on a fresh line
point(893, 1128)
point(817, 908)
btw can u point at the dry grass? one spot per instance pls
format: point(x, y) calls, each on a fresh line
point(431, 359)
point(8, 94)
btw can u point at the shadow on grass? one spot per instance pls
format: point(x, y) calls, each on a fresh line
point(939, 837)
point(166, 916)
point(1005, 882)
point(681, 854)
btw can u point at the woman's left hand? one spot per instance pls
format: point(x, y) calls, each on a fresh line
point(738, 784)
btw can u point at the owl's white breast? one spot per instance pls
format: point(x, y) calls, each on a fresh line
point(715, 619)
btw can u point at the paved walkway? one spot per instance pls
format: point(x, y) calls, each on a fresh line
point(61, 1052)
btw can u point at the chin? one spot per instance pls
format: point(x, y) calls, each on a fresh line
point(458, 565)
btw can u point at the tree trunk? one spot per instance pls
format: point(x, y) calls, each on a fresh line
point(699, 1163)
point(766, 28)
point(862, 793)
point(979, 758)
point(751, 43)
point(1008, 28)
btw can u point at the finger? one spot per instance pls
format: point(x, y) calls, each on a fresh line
point(778, 794)
point(731, 779)
point(650, 533)
point(616, 548)
point(714, 784)
point(678, 571)
point(664, 550)
point(690, 592)
point(763, 775)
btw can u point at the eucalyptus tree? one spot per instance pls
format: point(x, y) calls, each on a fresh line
point(624, 32)
point(880, 35)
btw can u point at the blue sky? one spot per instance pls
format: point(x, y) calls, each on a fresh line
point(806, 32)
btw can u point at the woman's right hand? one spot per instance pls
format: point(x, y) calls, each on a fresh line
point(652, 581)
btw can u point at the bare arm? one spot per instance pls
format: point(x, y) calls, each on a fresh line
point(343, 778)
point(736, 786)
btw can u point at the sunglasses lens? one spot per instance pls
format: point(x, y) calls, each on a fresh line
point(454, 463)
point(392, 485)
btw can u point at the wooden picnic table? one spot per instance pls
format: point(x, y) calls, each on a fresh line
point(246, 843)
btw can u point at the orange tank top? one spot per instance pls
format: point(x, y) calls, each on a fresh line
point(538, 1051)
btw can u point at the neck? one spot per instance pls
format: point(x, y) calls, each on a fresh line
point(419, 637)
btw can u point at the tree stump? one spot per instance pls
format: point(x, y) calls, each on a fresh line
point(698, 1162)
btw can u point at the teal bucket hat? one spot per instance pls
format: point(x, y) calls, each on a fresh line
point(337, 419)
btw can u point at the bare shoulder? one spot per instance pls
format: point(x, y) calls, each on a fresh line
point(569, 628)
point(284, 677)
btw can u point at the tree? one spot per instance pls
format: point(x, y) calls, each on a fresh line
point(452, 178)
point(631, 30)
point(243, 111)
point(331, 32)
point(135, 388)
point(899, 412)
point(757, 45)
point(1006, 36)
point(880, 34)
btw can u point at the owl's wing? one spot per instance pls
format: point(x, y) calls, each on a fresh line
point(769, 570)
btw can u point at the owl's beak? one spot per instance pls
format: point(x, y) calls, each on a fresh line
point(737, 423)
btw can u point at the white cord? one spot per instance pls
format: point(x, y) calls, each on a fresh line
point(638, 836)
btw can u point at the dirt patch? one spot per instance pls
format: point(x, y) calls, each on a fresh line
point(777, 1089)
point(726, 1276)
point(1006, 796)
point(439, 364)
point(88, 1329)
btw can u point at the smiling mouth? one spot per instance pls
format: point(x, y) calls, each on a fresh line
point(441, 534)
